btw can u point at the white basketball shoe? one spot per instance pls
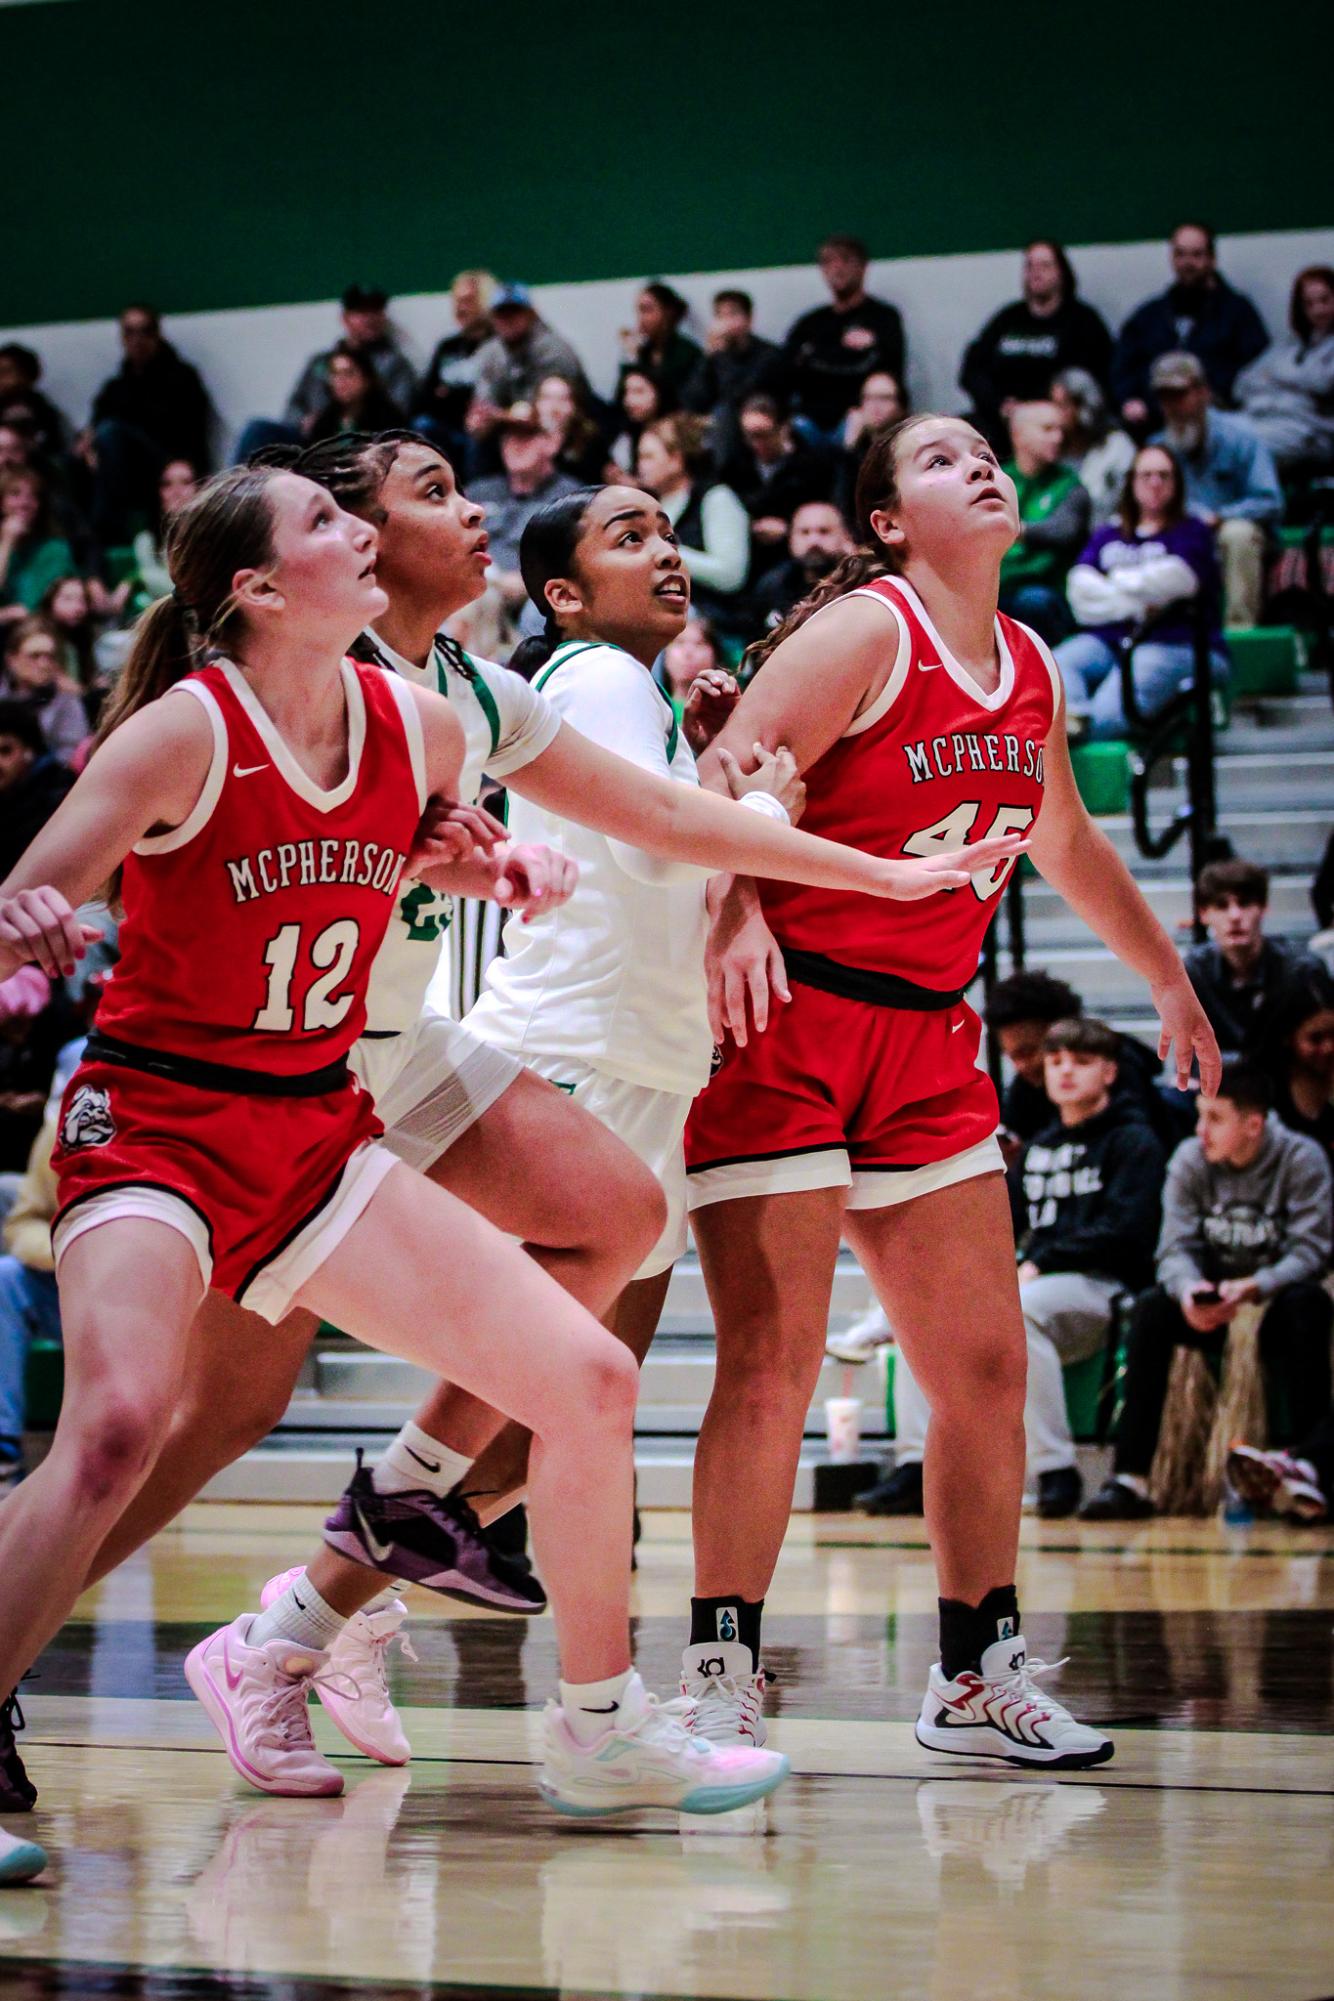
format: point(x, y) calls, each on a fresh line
point(649, 1758)
point(357, 1660)
point(725, 1693)
point(1002, 1713)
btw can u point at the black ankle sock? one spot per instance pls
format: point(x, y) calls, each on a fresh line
point(728, 1619)
point(966, 1631)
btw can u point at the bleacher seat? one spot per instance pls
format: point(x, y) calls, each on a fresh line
point(1266, 660)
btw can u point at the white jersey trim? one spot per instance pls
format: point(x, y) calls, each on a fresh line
point(286, 765)
point(1004, 688)
point(898, 676)
point(412, 730)
point(202, 811)
point(1057, 684)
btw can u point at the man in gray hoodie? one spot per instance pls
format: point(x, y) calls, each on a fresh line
point(1246, 1217)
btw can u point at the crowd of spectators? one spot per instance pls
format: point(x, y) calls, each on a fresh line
point(1152, 462)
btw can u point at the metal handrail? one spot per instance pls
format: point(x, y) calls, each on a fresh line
point(1196, 819)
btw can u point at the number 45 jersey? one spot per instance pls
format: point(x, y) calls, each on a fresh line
point(249, 930)
point(933, 764)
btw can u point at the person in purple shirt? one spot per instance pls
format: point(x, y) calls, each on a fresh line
point(1154, 569)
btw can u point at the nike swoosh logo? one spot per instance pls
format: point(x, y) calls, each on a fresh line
point(925, 666)
point(379, 1550)
point(247, 770)
point(431, 1465)
point(297, 1602)
point(229, 1676)
point(610, 1709)
point(955, 1026)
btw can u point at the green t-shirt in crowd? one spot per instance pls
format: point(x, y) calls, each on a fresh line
point(1039, 493)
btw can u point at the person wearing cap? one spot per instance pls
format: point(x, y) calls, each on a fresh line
point(530, 478)
point(366, 329)
point(511, 366)
point(1199, 313)
point(1231, 480)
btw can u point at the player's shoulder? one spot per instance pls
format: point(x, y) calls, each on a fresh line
point(587, 659)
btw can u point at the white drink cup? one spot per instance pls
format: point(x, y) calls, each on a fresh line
point(843, 1423)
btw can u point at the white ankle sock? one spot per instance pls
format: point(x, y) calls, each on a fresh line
point(414, 1460)
point(591, 1707)
point(1136, 1483)
point(298, 1614)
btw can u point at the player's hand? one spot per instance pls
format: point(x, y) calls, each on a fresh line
point(1186, 1028)
point(450, 832)
point(531, 878)
point(742, 963)
point(910, 881)
point(713, 696)
point(775, 771)
point(38, 928)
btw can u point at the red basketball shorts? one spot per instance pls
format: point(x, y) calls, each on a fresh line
point(262, 1187)
point(887, 1102)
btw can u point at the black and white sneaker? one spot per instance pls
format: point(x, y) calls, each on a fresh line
point(1002, 1713)
point(18, 1794)
point(437, 1543)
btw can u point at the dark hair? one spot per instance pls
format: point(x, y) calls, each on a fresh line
point(1128, 509)
point(1246, 1086)
point(766, 404)
point(1030, 996)
point(1297, 319)
point(18, 719)
point(31, 475)
point(853, 245)
point(21, 631)
point(353, 465)
point(1308, 994)
point(1069, 282)
point(150, 313)
point(731, 295)
point(77, 639)
point(1083, 1035)
point(1206, 230)
point(25, 359)
point(547, 549)
point(1247, 881)
point(685, 434)
point(668, 298)
point(668, 400)
point(877, 488)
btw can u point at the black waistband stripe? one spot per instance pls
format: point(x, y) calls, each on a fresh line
point(224, 1077)
point(858, 983)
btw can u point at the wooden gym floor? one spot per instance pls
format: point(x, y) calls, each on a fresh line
point(1199, 1863)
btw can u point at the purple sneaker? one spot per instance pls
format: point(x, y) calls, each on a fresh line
point(439, 1544)
point(18, 1794)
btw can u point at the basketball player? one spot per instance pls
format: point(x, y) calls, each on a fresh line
point(920, 720)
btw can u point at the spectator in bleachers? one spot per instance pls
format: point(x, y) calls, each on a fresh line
point(1085, 1199)
point(153, 409)
point(641, 398)
point(830, 351)
point(354, 398)
point(1241, 976)
point(1246, 1217)
point(817, 541)
point(29, 1041)
point(516, 359)
point(34, 676)
point(882, 402)
point(17, 452)
point(736, 363)
point(1099, 453)
point(656, 340)
point(32, 781)
point(1200, 313)
point(29, 1304)
point(68, 607)
point(1020, 1012)
point(1084, 1194)
point(1023, 346)
point(562, 408)
point(1287, 395)
point(22, 402)
point(1231, 482)
point(149, 577)
point(33, 552)
point(1154, 569)
point(1054, 512)
point(529, 478)
point(1298, 1055)
point(446, 389)
point(712, 527)
point(773, 473)
point(696, 650)
point(367, 330)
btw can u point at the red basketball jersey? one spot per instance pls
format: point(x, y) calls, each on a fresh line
point(932, 765)
point(249, 930)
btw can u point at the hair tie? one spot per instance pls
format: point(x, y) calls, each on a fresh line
point(180, 603)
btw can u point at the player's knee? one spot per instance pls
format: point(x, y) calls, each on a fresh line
point(116, 1447)
point(642, 1211)
point(609, 1384)
point(990, 1377)
point(765, 1394)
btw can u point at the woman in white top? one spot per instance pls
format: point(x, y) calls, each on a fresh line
point(711, 525)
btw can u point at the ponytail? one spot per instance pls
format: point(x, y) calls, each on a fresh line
point(531, 655)
point(863, 566)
